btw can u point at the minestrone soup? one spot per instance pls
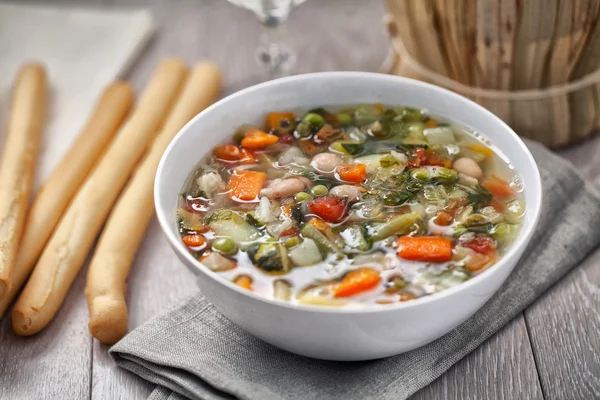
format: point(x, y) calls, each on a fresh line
point(354, 206)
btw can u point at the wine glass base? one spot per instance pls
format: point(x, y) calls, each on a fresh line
point(275, 58)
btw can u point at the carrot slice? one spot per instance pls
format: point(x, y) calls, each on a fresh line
point(425, 248)
point(193, 240)
point(498, 187)
point(247, 157)
point(278, 120)
point(243, 281)
point(486, 151)
point(246, 185)
point(256, 139)
point(431, 124)
point(227, 152)
point(355, 173)
point(357, 281)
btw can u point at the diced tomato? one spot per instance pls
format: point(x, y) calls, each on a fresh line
point(478, 242)
point(477, 261)
point(329, 208)
point(286, 138)
point(444, 218)
point(293, 231)
point(419, 158)
point(433, 159)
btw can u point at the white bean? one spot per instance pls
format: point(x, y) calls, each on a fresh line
point(281, 188)
point(293, 155)
point(467, 166)
point(352, 193)
point(326, 162)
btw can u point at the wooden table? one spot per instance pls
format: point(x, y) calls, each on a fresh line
point(551, 350)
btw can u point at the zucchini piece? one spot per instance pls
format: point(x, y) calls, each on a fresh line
point(324, 244)
point(372, 161)
point(306, 253)
point(399, 225)
point(189, 220)
point(355, 238)
point(270, 257)
point(230, 224)
point(439, 135)
point(415, 134)
point(348, 147)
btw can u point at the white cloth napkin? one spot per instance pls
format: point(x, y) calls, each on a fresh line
point(83, 51)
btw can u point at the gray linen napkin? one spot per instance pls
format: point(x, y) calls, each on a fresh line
point(191, 351)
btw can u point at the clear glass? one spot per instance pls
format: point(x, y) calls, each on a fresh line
point(272, 52)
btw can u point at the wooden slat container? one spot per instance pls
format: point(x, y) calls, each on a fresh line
point(534, 63)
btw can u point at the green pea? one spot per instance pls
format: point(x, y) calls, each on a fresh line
point(319, 190)
point(445, 174)
point(314, 120)
point(302, 196)
point(225, 246)
point(420, 174)
point(344, 119)
point(303, 129)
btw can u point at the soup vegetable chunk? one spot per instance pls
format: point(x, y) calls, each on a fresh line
point(355, 206)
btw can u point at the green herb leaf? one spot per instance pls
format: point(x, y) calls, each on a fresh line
point(396, 198)
point(353, 148)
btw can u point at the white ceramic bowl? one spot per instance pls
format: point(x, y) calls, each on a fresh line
point(337, 333)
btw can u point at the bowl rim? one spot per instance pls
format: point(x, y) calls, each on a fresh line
point(516, 249)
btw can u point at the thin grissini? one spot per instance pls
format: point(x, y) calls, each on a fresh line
point(54, 197)
point(71, 241)
point(18, 163)
point(128, 221)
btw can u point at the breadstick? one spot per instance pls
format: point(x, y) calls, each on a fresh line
point(65, 253)
point(125, 228)
point(52, 200)
point(18, 163)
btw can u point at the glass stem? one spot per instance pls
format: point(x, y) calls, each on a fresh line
point(272, 53)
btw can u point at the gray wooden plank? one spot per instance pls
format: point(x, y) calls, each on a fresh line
point(501, 368)
point(350, 37)
point(565, 323)
point(54, 364)
point(565, 334)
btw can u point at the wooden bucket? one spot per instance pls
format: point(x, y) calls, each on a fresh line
point(534, 63)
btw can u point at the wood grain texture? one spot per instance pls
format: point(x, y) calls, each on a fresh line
point(502, 368)
point(565, 326)
point(56, 364)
